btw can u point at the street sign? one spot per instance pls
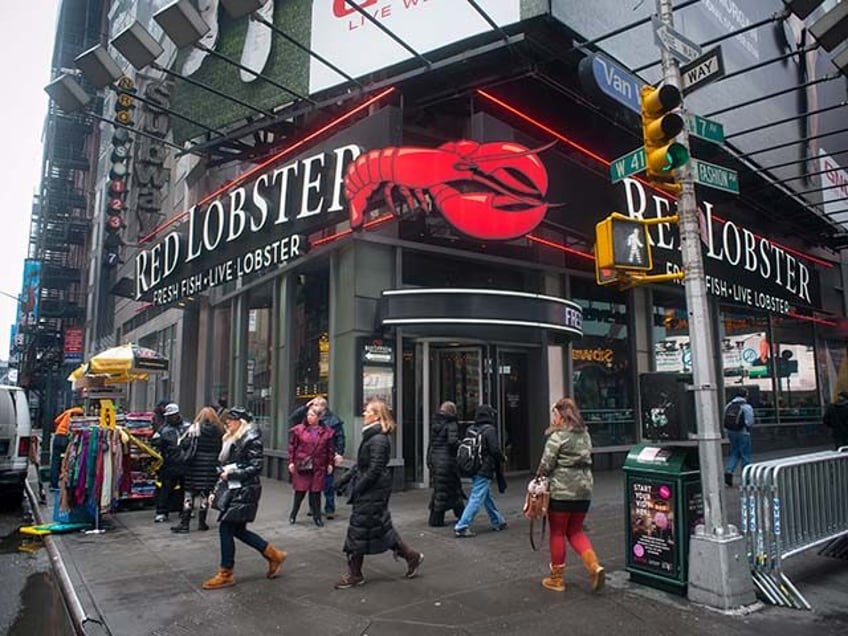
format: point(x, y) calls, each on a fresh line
point(704, 128)
point(597, 71)
point(708, 67)
point(624, 166)
point(714, 176)
point(681, 48)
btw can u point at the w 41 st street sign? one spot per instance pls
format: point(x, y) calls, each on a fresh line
point(626, 165)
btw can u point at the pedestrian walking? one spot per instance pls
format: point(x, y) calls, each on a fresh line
point(236, 497)
point(200, 447)
point(836, 419)
point(490, 464)
point(441, 460)
point(167, 442)
point(370, 530)
point(310, 460)
point(738, 420)
point(567, 463)
point(334, 423)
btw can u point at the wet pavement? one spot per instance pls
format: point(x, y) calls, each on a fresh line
point(30, 600)
point(139, 578)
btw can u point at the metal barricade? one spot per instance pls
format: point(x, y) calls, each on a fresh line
point(790, 505)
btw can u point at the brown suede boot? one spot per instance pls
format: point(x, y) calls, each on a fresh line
point(224, 578)
point(596, 571)
point(275, 560)
point(556, 581)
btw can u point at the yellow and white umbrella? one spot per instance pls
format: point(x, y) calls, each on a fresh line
point(125, 363)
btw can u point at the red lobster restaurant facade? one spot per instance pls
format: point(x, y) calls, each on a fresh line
point(429, 245)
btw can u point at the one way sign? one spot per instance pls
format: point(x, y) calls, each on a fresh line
point(705, 69)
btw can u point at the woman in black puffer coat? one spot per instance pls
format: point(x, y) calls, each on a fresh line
point(240, 464)
point(370, 484)
point(441, 460)
point(201, 445)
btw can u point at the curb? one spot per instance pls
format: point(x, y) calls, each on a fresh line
point(78, 614)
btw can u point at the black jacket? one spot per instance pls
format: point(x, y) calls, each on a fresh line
point(441, 459)
point(491, 455)
point(370, 530)
point(246, 453)
point(167, 442)
point(836, 418)
point(201, 470)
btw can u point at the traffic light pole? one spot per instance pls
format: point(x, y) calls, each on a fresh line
point(719, 575)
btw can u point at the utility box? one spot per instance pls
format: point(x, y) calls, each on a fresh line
point(663, 504)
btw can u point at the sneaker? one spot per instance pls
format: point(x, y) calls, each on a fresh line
point(464, 533)
point(413, 565)
point(160, 518)
point(330, 514)
point(349, 580)
point(499, 527)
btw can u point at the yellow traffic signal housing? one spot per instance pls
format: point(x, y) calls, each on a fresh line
point(660, 126)
point(604, 276)
point(622, 243)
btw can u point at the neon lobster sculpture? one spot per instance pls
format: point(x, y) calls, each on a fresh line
point(487, 191)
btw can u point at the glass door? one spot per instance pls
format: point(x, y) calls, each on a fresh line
point(513, 408)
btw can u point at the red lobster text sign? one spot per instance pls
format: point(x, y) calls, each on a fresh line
point(491, 191)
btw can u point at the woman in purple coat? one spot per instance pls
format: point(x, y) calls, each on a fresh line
point(310, 458)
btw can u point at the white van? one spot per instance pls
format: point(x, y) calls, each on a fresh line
point(15, 430)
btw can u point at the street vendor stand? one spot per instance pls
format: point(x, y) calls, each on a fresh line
point(109, 458)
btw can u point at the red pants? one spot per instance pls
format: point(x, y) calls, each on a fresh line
point(567, 525)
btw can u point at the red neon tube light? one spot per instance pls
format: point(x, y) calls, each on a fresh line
point(243, 177)
point(605, 162)
point(559, 246)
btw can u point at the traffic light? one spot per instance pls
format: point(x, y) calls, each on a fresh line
point(622, 243)
point(660, 126)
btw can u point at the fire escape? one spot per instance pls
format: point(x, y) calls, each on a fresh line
point(61, 224)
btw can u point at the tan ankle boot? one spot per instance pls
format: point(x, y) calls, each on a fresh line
point(596, 571)
point(275, 560)
point(224, 578)
point(556, 581)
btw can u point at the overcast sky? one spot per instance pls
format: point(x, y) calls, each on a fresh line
point(26, 46)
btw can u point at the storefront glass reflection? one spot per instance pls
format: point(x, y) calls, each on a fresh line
point(310, 335)
point(602, 366)
point(259, 357)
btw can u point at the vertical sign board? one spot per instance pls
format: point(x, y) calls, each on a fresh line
point(376, 370)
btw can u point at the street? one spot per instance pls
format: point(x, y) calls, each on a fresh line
point(30, 601)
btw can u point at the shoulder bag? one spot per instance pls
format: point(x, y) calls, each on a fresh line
point(536, 507)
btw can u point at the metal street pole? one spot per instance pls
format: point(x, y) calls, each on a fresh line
point(719, 574)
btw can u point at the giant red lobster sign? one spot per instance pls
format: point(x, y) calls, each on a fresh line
point(492, 191)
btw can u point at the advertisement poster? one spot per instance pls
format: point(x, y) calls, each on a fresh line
point(28, 300)
point(653, 545)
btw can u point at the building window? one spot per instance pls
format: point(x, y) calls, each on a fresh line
point(260, 327)
point(221, 354)
point(310, 334)
point(602, 364)
point(746, 359)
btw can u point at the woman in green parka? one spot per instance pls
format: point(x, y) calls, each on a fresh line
point(567, 463)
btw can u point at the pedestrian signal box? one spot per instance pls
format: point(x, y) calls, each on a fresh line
point(622, 243)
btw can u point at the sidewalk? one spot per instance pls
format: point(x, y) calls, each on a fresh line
point(139, 578)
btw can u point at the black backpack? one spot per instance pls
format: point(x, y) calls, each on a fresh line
point(469, 454)
point(733, 417)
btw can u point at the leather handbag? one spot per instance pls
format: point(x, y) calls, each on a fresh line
point(222, 496)
point(536, 507)
point(304, 465)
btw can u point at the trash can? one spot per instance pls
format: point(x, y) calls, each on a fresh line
point(663, 504)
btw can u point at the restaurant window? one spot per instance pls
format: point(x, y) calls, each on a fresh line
point(310, 334)
point(794, 368)
point(602, 365)
point(221, 355)
point(260, 329)
point(746, 358)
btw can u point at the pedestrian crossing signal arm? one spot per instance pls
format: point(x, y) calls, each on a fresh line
point(627, 280)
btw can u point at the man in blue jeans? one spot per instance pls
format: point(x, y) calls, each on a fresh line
point(491, 467)
point(738, 420)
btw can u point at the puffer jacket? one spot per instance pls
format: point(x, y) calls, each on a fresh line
point(370, 530)
point(490, 452)
point(441, 459)
point(567, 463)
point(246, 453)
point(201, 470)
